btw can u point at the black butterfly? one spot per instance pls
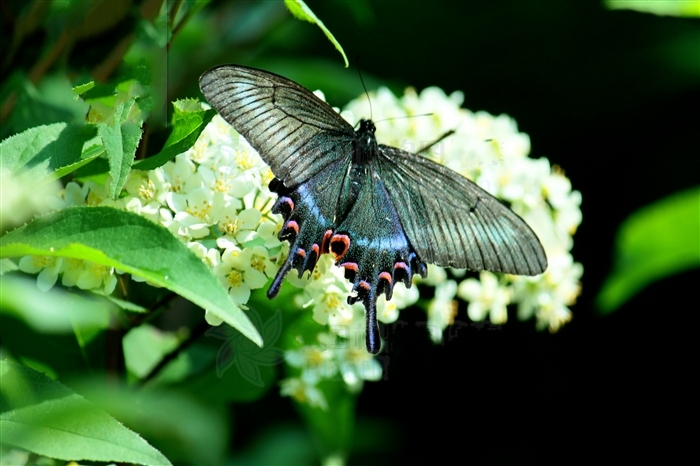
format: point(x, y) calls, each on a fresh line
point(381, 211)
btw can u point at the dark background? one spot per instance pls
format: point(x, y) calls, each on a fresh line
point(611, 97)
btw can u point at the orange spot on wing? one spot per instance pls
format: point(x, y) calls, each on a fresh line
point(386, 276)
point(350, 266)
point(326, 239)
point(292, 225)
point(339, 245)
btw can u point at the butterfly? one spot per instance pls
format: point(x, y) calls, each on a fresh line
point(381, 211)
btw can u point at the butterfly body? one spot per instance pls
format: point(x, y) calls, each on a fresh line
point(381, 211)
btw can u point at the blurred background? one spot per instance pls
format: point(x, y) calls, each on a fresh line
point(610, 96)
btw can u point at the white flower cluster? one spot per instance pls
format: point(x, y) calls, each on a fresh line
point(325, 360)
point(490, 151)
point(214, 197)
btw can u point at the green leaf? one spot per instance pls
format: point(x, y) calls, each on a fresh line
point(655, 242)
point(55, 311)
point(46, 418)
point(182, 428)
point(44, 153)
point(81, 88)
point(50, 101)
point(127, 305)
point(131, 243)
point(120, 139)
point(145, 346)
point(187, 126)
point(301, 11)
point(689, 8)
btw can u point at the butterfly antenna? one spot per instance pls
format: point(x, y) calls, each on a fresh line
point(359, 72)
point(445, 135)
point(404, 116)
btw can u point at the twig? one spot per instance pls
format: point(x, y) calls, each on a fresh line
point(195, 334)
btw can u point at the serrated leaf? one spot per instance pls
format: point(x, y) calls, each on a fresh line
point(120, 139)
point(81, 88)
point(301, 11)
point(44, 153)
point(657, 241)
point(43, 416)
point(186, 130)
point(131, 243)
point(186, 430)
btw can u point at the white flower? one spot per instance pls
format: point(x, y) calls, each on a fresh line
point(357, 365)
point(194, 212)
point(329, 303)
point(237, 272)
point(486, 298)
point(303, 392)
point(316, 362)
point(88, 275)
point(241, 225)
point(268, 231)
point(442, 309)
point(47, 267)
point(328, 291)
point(548, 296)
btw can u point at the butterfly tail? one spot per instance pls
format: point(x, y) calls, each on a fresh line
point(372, 339)
point(279, 278)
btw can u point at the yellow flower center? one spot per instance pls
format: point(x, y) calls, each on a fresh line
point(244, 160)
point(267, 176)
point(314, 356)
point(98, 270)
point(258, 263)
point(332, 300)
point(43, 261)
point(197, 153)
point(147, 190)
point(222, 185)
point(201, 212)
point(230, 226)
point(235, 278)
point(93, 199)
point(355, 355)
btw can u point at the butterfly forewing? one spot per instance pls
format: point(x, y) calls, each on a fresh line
point(452, 222)
point(295, 132)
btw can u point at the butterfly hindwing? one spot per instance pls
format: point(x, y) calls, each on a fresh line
point(452, 222)
point(378, 253)
point(309, 212)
